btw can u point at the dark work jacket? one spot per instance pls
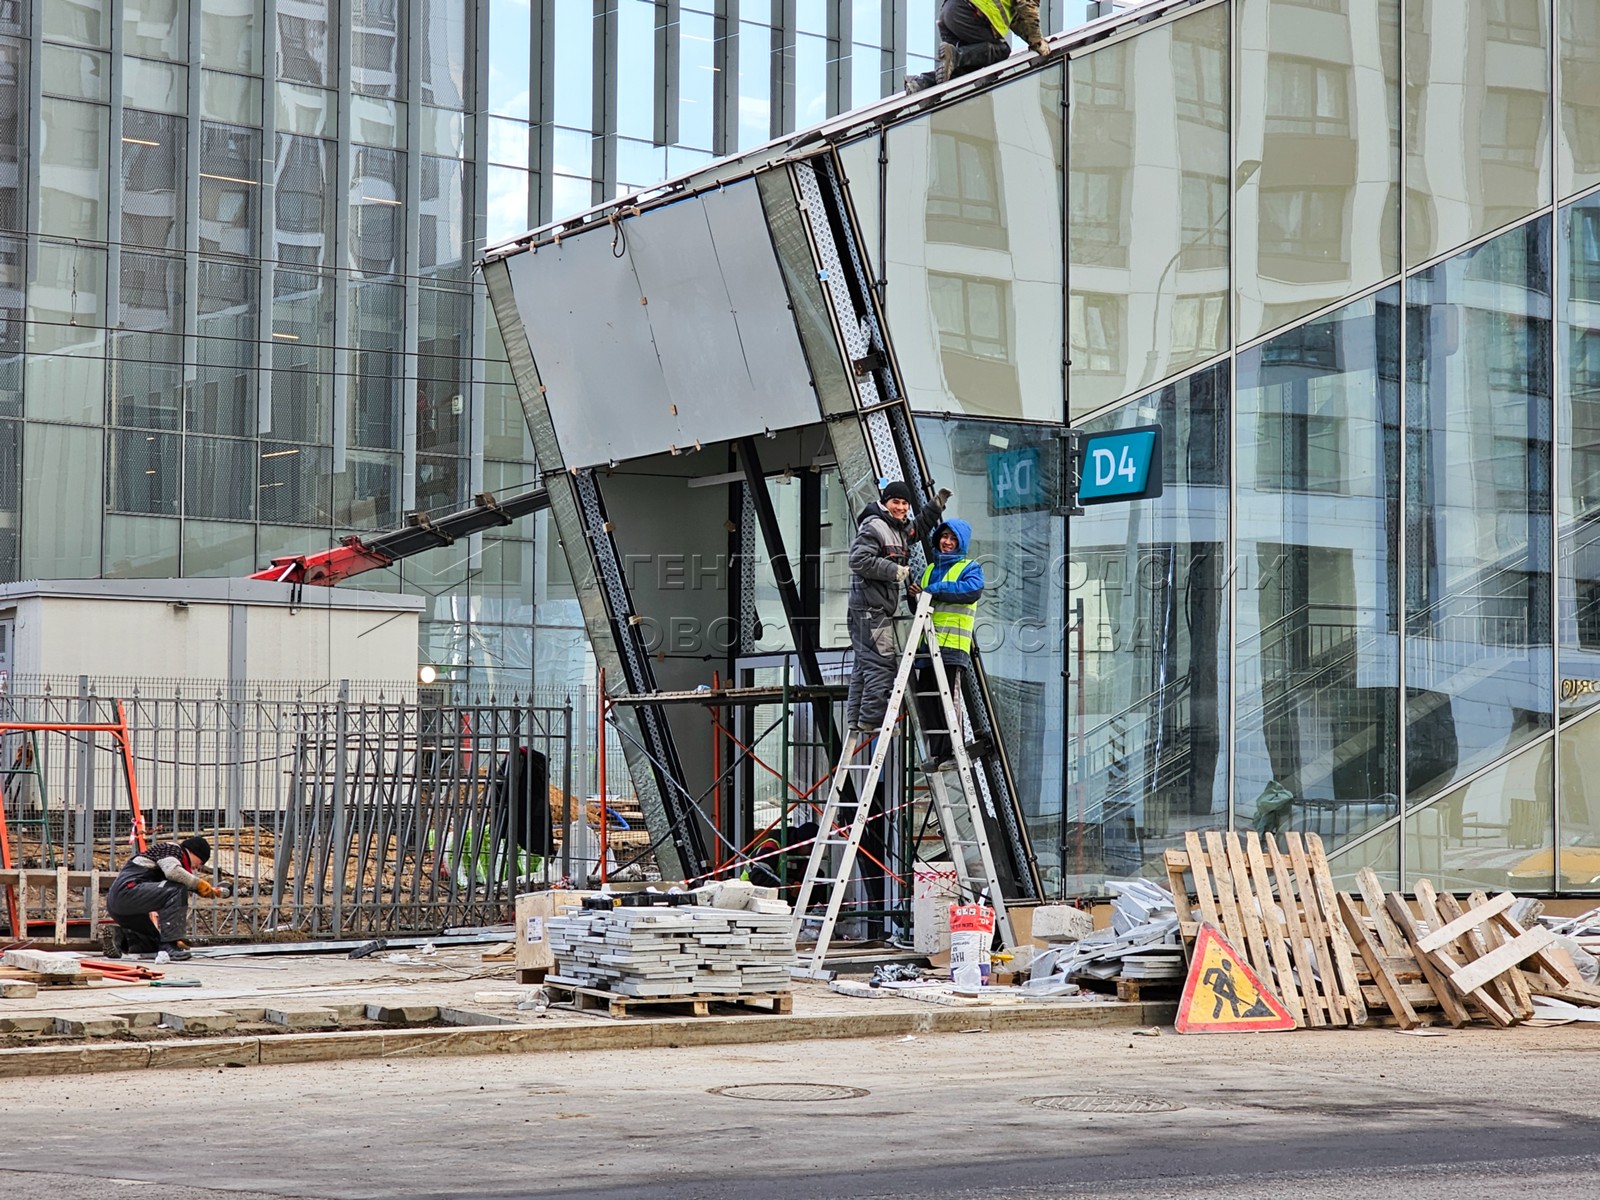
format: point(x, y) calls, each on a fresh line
point(882, 545)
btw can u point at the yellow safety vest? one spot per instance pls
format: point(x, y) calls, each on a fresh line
point(998, 12)
point(953, 620)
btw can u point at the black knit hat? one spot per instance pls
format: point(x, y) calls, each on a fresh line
point(198, 847)
point(898, 489)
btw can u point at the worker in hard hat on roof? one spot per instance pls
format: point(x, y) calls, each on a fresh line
point(972, 35)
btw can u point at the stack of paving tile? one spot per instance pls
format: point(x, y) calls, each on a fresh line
point(688, 951)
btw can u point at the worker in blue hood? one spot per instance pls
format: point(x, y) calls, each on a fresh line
point(956, 583)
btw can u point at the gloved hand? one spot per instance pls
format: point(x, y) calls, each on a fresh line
point(942, 497)
point(902, 573)
point(209, 889)
point(1040, 47)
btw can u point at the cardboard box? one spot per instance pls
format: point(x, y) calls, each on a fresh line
point(534, 909)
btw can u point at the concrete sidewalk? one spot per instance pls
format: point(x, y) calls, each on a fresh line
point(308, 1008)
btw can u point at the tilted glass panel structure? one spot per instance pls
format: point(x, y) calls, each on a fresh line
point(1148, 197)
point(1316, 727)
point(972, 253)
point(1478, 421)
point(1317, 181)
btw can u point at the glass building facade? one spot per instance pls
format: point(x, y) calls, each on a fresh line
point(238, 311)
point(1346, 253)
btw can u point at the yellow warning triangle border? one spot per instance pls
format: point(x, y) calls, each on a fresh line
point(1236, 988)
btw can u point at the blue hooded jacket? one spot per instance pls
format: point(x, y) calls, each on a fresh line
point(967, 588)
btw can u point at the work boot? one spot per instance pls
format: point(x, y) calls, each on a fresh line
point(916, 83)
point(114, 942)
point(946, 70)
point(176, 951)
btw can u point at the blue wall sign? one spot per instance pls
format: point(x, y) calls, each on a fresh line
point(1016, 480)
point(1125, 465)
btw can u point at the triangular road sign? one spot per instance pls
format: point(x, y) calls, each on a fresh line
point(1223, 995)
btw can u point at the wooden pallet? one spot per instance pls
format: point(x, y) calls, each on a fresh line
point(1274, 900)
point(1149, 991)
point(80, 979)
point(585, 999)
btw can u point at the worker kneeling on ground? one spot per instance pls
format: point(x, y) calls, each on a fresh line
point(972, 35)
point(158, 880)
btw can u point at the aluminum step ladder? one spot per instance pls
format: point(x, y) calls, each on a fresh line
point(961, 822)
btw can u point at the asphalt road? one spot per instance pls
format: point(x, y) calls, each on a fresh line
point(1370, 1112)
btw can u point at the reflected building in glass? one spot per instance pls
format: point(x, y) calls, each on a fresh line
point(1346, 253)
point(238, 311)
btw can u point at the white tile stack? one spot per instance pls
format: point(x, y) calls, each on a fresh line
point(666, 952)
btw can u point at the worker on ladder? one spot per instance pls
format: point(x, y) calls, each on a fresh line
point(956, 584)
point(880, 563)
point(972, 35)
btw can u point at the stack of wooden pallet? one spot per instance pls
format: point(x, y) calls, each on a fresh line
point(1274, 900)
point(672, 952)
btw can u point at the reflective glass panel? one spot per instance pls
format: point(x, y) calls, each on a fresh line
point(973, 253)
point(378, 122)
point(304, 198)
point(79, 74)
point(230, 35)
point(65, 478)
point(1316, 728)
point(1317, 180)
point(14, 128)
point(1477, 119)
point(66, 303)
point(1147, 208)
point(443, 217)
point(574, 66)
point(366, 494)
point(223, 396)
point(145, 468)
point(377, 53)
point(1578, 450)
point(157, 85)
point(307, 46)
point(141, 547)
point(1578, 151)
point(156, 28)
point(147, 370)
point(507, 203)
point(10, 499)
point(296, 481)
point(308, 110)
point(1148, 636)
point(1494, 833)
point(212, 548)
point(1381, 852)
point(219, 479)
point(73, 169)
point(377, 216)
point(443, 37)
point(230, 189)
point(697, 75)
point(68, 386)
point(755, 84)
point(155, 153)
point(82, 22)
point(152, 299)
point(1005, 481)
point(1479, 660)
point(1578, 807)
point(445, 133)
point(235, 99)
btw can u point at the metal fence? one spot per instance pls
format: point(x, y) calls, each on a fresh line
point(332, 813)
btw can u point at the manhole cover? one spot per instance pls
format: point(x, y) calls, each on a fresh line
point(1105, 1104)
point(792, 1092)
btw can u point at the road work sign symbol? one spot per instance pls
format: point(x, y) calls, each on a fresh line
point(1223, 995)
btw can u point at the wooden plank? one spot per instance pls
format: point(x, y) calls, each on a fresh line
point(61, 905)
point(92, 901)
point(1474, 944)
point(1449, 959)
point(1559, 966)
point(1521, 1000)
point(1475, 974)
point(1467, 921)
point(1276, 931)
point(1311, 910)
point(1407, 924)
point(1387, 985)
point(1202, 879)
point(1177, 867)
point(1418, 995)
point(1343, 951)
point(1227, 903)
point(1249, 907)
point(1299, 945)
point(21, 933)
point(1389, 936)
